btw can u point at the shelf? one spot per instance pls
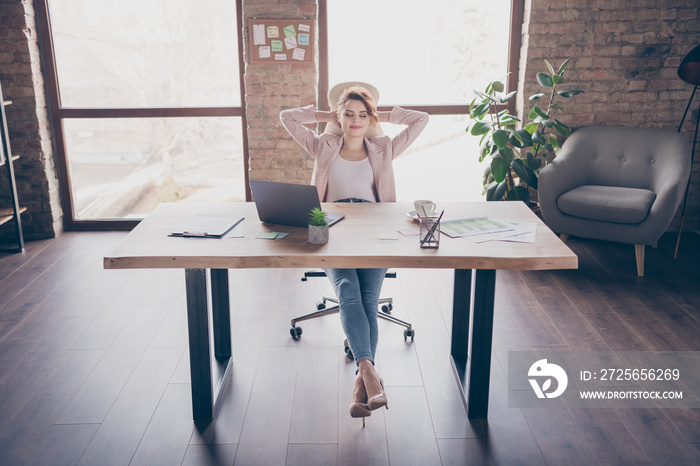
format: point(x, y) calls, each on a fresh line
point(7, 214)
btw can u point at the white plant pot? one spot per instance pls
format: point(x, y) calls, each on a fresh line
point(318, 235)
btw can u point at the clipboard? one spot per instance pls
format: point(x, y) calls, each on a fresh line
point(207, 226)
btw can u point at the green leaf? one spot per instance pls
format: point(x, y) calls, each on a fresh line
point(537, 112)
point(525, 137)
point(563, 66)
point(533, 162)
point(499, 192)
point(481, 127)
point(534, 180)
point(519, 168)
point(537, 138)
point(500, 138)
point(499, 169)
point(531, 127)
point(514, 140)
point(508, 96)
point(498, 86)
point(553, 141)
point(556, 106)
point(544, 79)
point(549, 67)
point(570, 93)
point(506, 154)
point(562, 129)
point(557, 79)
point(536, 96)
point(548, 123)
point(519, 193)
point(490, 190)
point(481, 110)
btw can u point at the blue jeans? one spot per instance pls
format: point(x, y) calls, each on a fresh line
point(358, 295)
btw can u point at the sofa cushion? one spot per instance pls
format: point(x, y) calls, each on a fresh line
point(607, 203)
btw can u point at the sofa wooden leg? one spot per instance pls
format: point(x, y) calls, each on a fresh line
point(563, 237)
point(639, 252)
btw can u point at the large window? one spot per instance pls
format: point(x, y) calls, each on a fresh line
point(428, 56)
point(146, 98)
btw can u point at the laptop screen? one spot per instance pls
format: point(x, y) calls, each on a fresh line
point(287, 203)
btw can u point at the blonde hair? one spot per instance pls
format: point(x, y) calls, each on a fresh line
point(360, 94)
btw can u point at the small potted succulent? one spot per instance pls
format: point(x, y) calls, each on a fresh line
point(318, 226)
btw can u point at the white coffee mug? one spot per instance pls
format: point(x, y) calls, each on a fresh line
point(424, 208)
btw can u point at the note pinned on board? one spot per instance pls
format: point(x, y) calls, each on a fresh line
point(298, 54)
point(290, 42)
point(264, 51)
point(277, 46)
point(258, 34)
point(280, 56)
point(273, 32)
point(289, 31)
point(303, 39)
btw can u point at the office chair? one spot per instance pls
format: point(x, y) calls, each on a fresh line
point(386, 304)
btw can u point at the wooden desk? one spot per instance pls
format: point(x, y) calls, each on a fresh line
point(354, 243)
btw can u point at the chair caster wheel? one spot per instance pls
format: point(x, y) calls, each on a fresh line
point(409, 333)
point(295, 332)
point(386, 308)
point(320, 305)
point(348, 351)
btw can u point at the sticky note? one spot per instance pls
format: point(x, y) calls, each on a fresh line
point(303, 39)
point(299, 54)
point(258, 34)
point(264, 51)
point(280, 56)
point(289, 31)
point(269, 235)
point(304, 28)
point(277, 46)
point(290, 42)
point(273, 32)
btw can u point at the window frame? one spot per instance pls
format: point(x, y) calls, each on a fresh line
point(60, 113)
point(516, 20)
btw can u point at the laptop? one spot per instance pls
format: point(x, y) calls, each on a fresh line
point(287, 203)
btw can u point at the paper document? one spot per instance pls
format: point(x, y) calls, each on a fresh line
point(207, 226)
point(473, 226)
point(521, 232)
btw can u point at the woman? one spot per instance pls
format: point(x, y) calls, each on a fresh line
point(356, 168)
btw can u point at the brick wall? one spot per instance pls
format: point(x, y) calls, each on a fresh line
point(271, 87)
point(624, 56)
point(30, 132)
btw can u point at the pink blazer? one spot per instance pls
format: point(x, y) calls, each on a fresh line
point(381, 149)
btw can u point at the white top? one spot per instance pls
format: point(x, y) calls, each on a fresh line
point(351, 180)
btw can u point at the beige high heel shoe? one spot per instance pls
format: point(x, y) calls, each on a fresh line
point(359, 408)
point(372, 381)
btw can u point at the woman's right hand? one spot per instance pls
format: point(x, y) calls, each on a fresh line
point(326, 117)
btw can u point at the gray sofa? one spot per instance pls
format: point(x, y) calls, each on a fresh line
point(617, 184)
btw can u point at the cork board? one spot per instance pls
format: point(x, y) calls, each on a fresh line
point(281, 40)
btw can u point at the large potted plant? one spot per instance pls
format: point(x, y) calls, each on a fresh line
point(518, 154)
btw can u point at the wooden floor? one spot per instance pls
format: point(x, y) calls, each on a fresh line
point(94, 365)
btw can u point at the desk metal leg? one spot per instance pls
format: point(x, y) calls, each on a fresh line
point(471, 358)
point(221, 314)
point(204, 390)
